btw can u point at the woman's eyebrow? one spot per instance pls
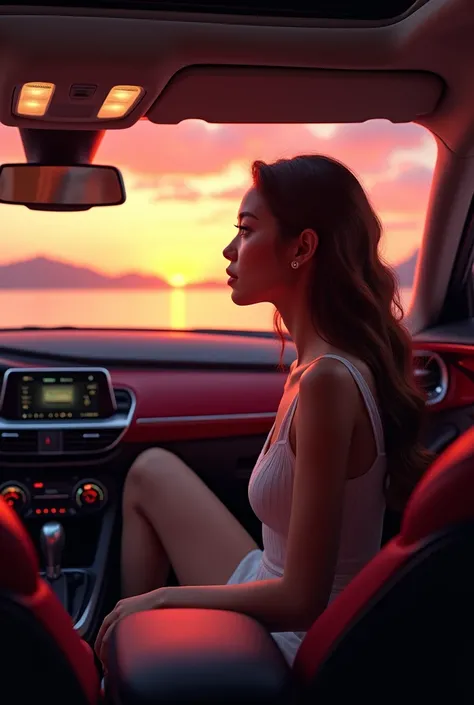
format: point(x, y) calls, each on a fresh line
point(247, 214)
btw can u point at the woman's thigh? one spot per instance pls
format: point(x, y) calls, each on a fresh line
point(202, 539)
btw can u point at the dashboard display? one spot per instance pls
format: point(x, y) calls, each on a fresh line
point(57, 395)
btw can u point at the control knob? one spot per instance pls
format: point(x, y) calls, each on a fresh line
point(15, 495)
point(90, 494)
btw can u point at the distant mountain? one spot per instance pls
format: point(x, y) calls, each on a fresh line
point(406, 270)
point(45, 273)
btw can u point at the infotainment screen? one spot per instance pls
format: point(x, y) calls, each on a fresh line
point(57, 394)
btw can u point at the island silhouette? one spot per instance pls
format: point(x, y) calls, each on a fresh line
point(48, 273)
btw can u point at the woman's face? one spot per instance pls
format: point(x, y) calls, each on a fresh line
point(260, 264)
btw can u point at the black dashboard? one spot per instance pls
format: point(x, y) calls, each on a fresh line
point(144, 348)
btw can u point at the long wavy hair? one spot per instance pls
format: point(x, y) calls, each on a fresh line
point(353, 296)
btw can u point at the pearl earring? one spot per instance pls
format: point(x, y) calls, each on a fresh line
point(295, 264)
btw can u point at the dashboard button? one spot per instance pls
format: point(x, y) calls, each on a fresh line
point(90, 495)
point(49, 441)
point(15, 495)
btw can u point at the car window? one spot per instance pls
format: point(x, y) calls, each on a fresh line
point(156, 261)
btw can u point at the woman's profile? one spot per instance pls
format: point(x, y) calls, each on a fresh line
point(346, 435)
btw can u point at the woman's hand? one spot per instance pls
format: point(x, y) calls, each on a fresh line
point(139, 603)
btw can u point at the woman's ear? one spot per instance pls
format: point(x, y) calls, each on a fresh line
point(307, 245)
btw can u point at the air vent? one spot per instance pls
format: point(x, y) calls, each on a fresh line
point(431, 374)
point(93, 441)
point(123, 399)
point(18, 442)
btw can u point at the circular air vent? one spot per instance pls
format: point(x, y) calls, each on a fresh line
point(431, 374)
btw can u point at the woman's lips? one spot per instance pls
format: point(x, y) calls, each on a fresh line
point(232, 277)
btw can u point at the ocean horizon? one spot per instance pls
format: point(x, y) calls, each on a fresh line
point(176, 309)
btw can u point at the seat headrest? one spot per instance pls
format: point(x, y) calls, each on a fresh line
point(445, 496)
point(18, 561)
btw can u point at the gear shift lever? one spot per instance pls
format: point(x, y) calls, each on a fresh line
point(52, 544)
point(69, 586)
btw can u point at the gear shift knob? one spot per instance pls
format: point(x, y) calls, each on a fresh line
point(52, 544)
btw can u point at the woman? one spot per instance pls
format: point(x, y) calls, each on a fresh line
point(346, 429)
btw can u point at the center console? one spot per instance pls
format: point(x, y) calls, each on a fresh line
point(59, 432)
point(54, 496)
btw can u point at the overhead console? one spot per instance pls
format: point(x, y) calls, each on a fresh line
point(46, 411)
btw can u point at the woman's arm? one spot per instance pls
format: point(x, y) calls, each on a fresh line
point(325, 419)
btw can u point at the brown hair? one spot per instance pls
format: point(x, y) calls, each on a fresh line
point(353, 295)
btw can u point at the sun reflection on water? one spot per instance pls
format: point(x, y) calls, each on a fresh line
point(177, 309)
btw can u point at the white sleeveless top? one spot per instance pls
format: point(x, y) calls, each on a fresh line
point(270, 495)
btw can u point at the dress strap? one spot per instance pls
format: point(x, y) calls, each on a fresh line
point(368, 397)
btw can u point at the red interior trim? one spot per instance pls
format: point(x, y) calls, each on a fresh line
point(171, 395)
point(339, 615)
point(445, 495)
point(448, 348)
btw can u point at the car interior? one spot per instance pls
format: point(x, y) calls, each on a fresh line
point(71, 73)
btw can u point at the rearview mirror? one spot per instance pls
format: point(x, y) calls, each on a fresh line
point(76, 187)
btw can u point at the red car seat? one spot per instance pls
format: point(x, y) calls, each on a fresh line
point(403, 629)
point(42, 657)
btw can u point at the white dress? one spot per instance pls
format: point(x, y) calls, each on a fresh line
point(270, 495)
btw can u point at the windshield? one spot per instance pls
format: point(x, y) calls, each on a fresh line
point(156, 261)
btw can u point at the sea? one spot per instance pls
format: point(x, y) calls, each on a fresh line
point(176, 309)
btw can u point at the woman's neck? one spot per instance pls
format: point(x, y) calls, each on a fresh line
point(299, 324)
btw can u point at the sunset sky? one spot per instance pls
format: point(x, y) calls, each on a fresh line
point(184, 184)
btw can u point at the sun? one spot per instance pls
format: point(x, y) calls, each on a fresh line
point(177, 280)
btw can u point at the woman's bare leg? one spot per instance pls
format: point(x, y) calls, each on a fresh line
point(171, 516)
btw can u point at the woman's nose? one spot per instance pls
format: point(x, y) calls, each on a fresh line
point(230, 251)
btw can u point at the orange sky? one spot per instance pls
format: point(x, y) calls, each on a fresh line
point(184, 184)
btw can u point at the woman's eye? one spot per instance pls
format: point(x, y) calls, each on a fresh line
point(242, 229)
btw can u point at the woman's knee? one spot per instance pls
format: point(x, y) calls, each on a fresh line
point(148, 469)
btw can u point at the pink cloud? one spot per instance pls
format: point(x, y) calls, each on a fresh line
point(177, 192)
point(11, 145)
point(408, 193)
point(230, 194)
point(190, 148)
point(163, 155)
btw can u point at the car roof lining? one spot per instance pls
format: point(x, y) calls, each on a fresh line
point(67, 49)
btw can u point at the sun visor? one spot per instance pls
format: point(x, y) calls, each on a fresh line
point(220, 94)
